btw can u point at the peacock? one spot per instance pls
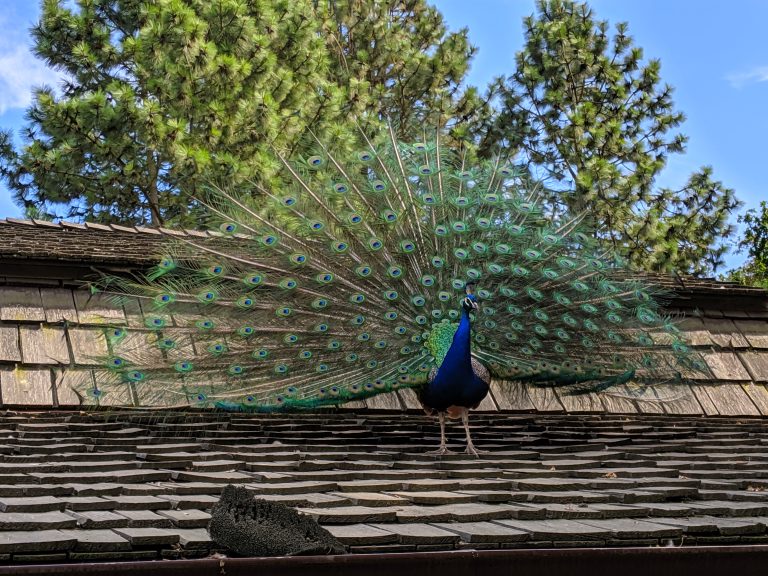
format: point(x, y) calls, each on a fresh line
point(399, 265)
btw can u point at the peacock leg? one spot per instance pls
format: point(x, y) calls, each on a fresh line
point(443, 449)
point(470, 446)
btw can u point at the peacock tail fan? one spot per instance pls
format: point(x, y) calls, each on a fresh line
point(346, 283)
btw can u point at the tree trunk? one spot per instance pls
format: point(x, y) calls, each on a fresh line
point(152, 195)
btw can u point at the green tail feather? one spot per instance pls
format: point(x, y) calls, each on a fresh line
point(345, 283)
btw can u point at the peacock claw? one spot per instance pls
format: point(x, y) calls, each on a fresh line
point(472, 451)
point(442, 451)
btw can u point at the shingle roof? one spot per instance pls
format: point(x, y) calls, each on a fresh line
point(593, 470)
point(138, 485)
point(89, 242)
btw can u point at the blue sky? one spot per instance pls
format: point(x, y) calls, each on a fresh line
point(712, 51)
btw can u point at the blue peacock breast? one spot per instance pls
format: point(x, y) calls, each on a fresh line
point(478, 369)
point(447, 388)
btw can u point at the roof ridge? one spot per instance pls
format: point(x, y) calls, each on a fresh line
point(668, 280)
point(95, 226)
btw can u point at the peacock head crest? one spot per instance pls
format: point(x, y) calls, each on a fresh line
point(470, 300)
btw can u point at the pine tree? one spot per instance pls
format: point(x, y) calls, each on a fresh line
point(597, 123)
point(163, 97)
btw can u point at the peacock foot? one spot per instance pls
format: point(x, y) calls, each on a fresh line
point(442, 451)
point(472, 451)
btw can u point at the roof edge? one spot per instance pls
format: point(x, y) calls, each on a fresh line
point(672, 561)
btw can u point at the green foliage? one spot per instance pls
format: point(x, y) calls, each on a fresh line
point(162, 97)
point(755, 243)
point(599, 124)
point(398, 59)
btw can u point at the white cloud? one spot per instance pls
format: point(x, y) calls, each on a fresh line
point(741, 79)
point(20, 71)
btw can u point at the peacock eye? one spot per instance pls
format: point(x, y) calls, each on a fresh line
point(389, 216)
point(378, 186)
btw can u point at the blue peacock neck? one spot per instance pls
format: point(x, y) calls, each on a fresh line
point(458, 360)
